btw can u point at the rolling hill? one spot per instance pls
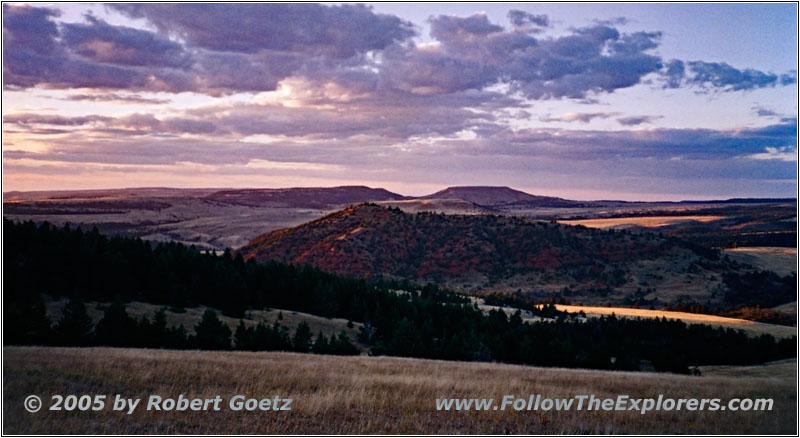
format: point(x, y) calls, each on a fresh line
point(486, 252)
point(301, 197)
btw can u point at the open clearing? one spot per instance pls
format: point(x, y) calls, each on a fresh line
point(756, 328)
point(370, 395)
point(643, 221)
point(782, 261)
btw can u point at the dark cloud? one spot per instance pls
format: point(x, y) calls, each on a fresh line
point(25, 119)
point(789, 78)
point(578, 117)
point(764, 112)
point(220, 49)
point(722, 76)
point(29, 40)
point(114, 97)
point(473, 54)
point(615, 21)
point(525, 20)
point(697, 144)
point(34, 53)
point(334, 31)
point(450, 27)
point(674, 73)
point(637, 120)
point(719, 76)
point(101, 42)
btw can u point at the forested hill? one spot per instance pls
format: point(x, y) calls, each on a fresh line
point(487, 252)
point(425, 322)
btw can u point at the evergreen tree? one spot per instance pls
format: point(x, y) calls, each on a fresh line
point(177, 338)
point(302, 338)
point(25, 322)
point(243, 337)
point(158, 329)
point(116, 329)
point(211, 333)
point(320, 345)
point(75, 327)
point(342, 345)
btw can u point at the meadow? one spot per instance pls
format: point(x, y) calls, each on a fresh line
point(370, 395)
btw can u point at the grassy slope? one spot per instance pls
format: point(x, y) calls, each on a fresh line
point(190, 318)
point(751, 327)
point(368, 395)
point(782, 261)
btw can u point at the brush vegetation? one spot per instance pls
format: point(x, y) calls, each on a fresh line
point(427, 322)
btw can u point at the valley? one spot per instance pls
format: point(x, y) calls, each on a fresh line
point(491, 239)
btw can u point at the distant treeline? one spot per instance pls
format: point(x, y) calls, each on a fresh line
point(424, 322)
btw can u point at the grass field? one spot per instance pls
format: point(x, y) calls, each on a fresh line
point(369, 395)
point(641, 221)
point(755, 328)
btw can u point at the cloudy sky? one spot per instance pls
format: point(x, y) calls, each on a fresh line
point(636, 101)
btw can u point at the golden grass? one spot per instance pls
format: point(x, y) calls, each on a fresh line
point(753, 327)
point(367, 395)
point(646, 221)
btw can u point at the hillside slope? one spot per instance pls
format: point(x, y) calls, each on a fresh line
point(483, 252)
point(301, 197)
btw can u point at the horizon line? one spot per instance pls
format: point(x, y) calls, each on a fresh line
point(710, 199)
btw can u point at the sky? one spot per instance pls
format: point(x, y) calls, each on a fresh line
point(583, 101)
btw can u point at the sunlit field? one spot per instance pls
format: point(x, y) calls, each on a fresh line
point(647, 221)
point(753, 327)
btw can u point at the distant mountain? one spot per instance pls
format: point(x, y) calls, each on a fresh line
point(488, 252)
point(488, 196)
point(137, 192)
point(302, 197)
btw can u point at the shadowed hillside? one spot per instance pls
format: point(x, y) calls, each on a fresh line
point(299, 197)
point(502, 253)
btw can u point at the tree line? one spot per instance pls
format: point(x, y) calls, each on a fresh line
point(428, 322)
point(30, 325)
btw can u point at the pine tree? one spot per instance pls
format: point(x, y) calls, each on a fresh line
point(321, 344)
point(116, 329)
point(75, 327)
point(211, 333)
point(302, 338)
point(243, 337)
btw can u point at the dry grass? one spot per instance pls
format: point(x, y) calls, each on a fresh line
point(644, 221)
point(756, 328)
point(366, 395)
point(782, 261)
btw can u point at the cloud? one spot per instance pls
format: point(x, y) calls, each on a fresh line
point(578, 117)
point(786, 153)
point(719, 76)
point(114, 97)
point(196, 49)
point(207, 56)
point(663, 143)
point(526, 21)
point(637, 120)
point(101, 42)
point(318, 30)
point(25, 119)
point(472, 54)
